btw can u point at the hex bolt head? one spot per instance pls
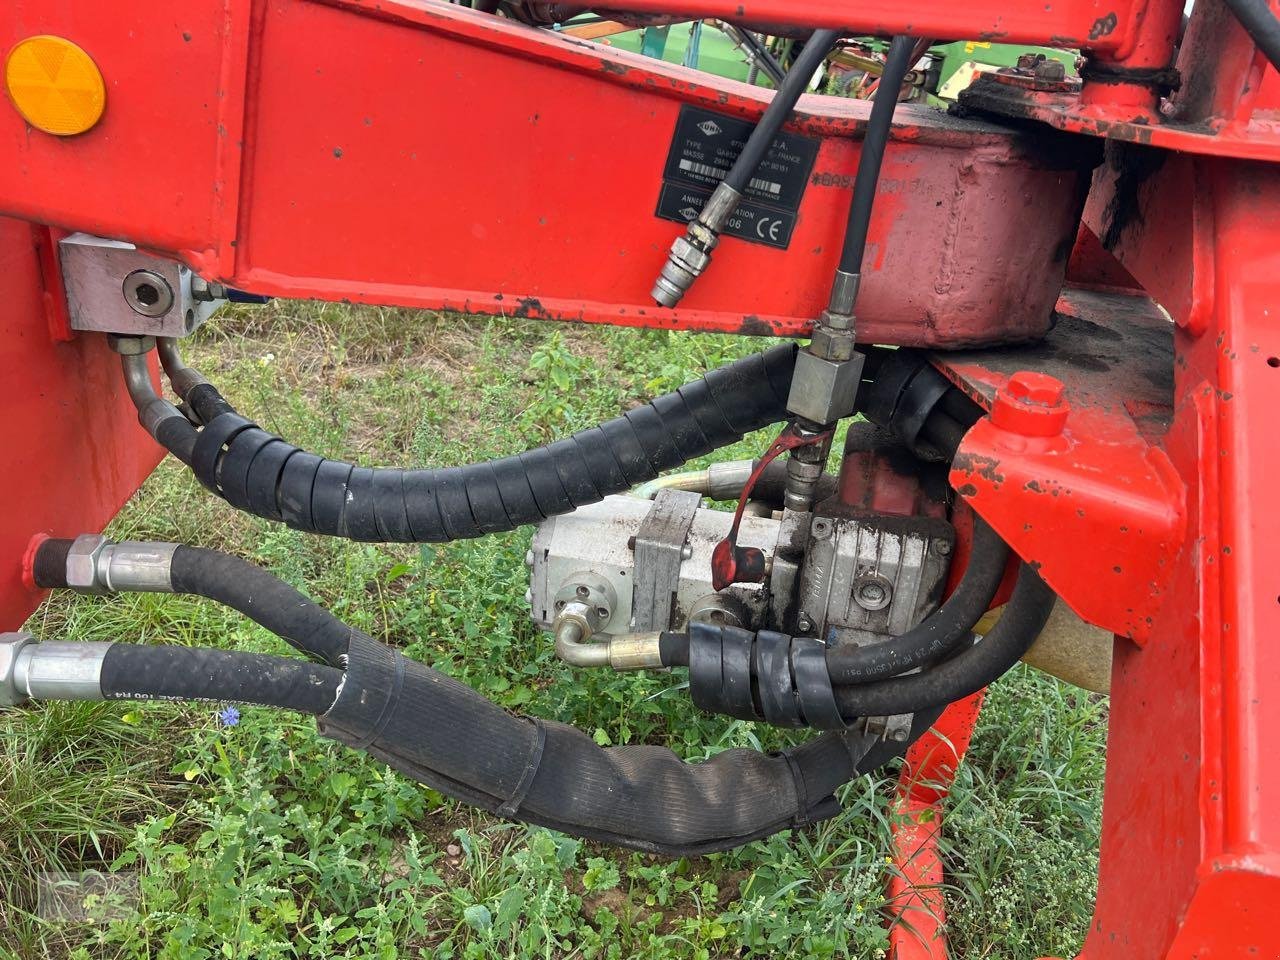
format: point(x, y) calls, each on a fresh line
point(942, 547)
point(1031, 404)
point(804, 623)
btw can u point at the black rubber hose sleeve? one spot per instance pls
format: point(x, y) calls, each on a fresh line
point(967, 672)
point(135, 672)
point(263, 598)
point(442, 733)
point(264, 475)
point(942, 631)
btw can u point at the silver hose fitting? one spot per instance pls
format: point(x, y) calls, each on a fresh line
point(56, 670)
point(691, 253)
point(98, 565)
point(181, 377)
point(152, 408)
point(583, 609)
point(720, 481)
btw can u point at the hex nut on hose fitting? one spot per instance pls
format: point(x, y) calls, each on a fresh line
point(97, 565)
point(11, 644)
point(82, 563)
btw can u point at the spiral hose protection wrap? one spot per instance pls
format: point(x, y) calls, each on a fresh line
point(260, 473)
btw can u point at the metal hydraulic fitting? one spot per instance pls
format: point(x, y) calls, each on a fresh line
point(824, 386)
point(11, 644)
point(583, 609)
point(98, 565)
point(691, 253)
point(152, 408)
point(57, 670)
point(804, 470)
point(205, 291)
point(113, 287)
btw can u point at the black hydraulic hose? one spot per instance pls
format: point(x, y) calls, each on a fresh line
point(446, 735)
point(966, 673)
point(942, 631)
point(243, 586)
point(263, 598)
point(939, 634)
point(784, 100)
point(1261, 24)
point(269, 477)
point(178, 436)
point(137, 672)
point(897, 62)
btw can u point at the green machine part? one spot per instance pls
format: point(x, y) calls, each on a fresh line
point(961, 59)
point(716, 53)
point(953, 64)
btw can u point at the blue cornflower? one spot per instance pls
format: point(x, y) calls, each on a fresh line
point(229, 716)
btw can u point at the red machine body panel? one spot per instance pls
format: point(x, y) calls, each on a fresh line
point(422, 154)
point(362, 175)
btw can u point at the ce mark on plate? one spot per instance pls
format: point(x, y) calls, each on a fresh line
point(767, 228)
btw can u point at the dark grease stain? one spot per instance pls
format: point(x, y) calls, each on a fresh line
point(529, 307)
point(1103, 26)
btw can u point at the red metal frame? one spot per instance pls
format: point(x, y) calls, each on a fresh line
point(74, 452)
point(918, 913)
point(346, 162)
point(412, 152)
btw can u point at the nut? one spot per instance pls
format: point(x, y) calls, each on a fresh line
point(831, 343)
point(1051, 70)
point(824, 391)
point(82, 563)
point(10, 645)
point(130, 346)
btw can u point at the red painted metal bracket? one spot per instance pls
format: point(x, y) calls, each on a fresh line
point(917, 910)
point(1065, 468)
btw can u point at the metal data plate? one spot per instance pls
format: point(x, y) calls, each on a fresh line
point(94, 273)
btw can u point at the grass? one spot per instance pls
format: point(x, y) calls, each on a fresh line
point(263, 840)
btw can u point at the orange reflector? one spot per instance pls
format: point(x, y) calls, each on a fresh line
point(54, 85)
